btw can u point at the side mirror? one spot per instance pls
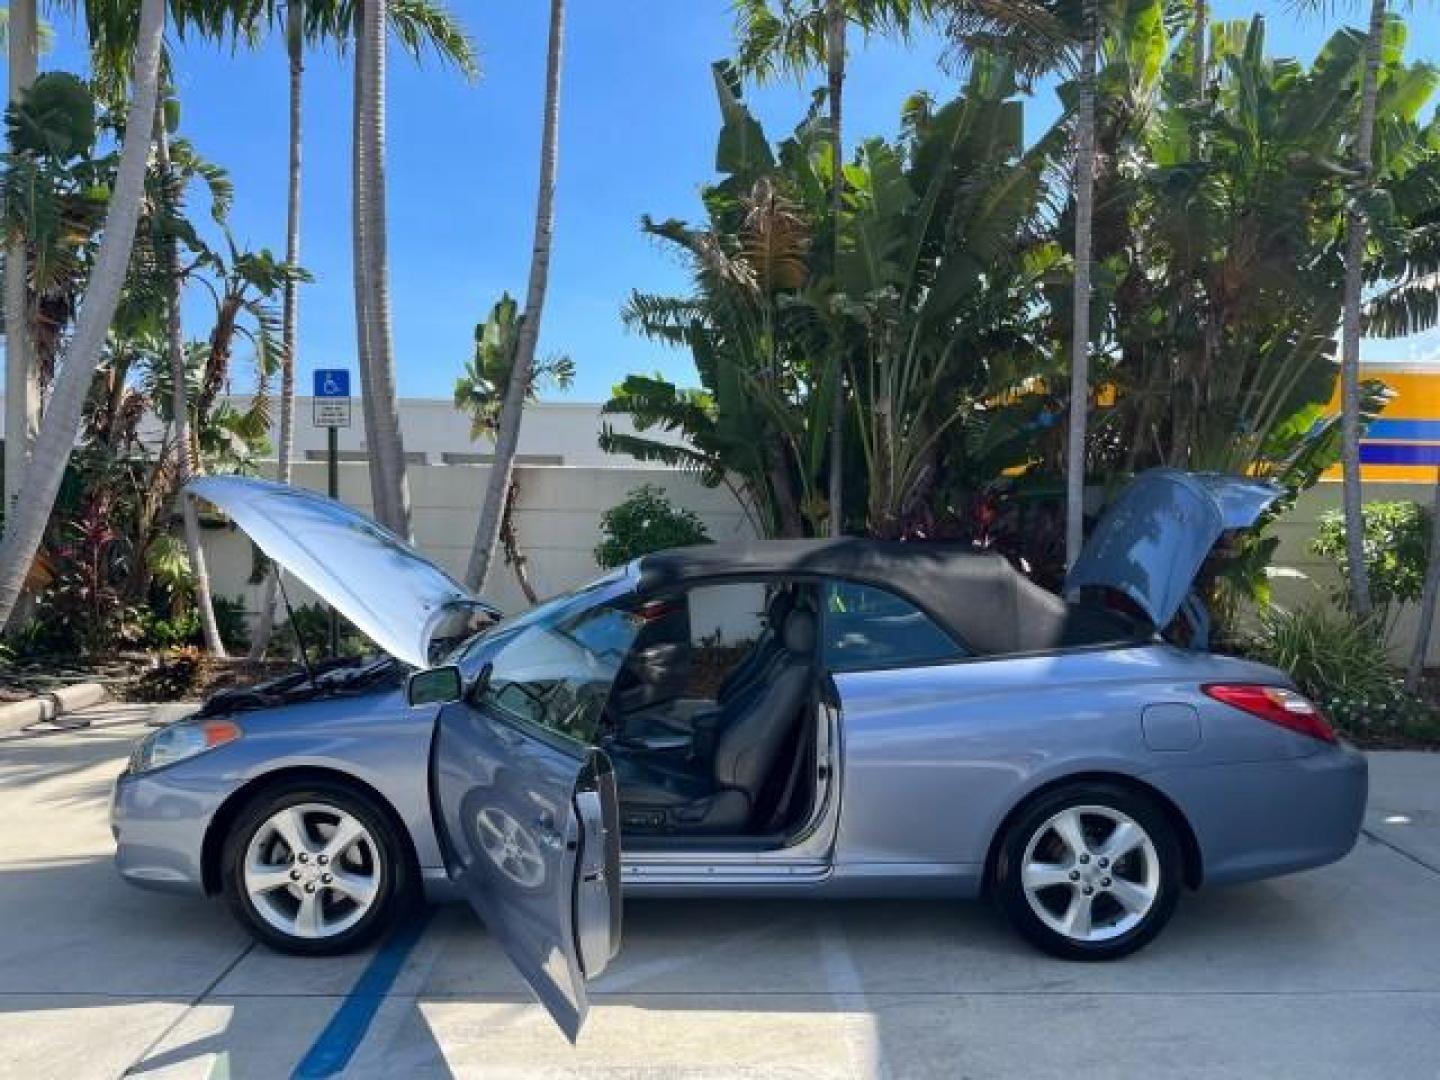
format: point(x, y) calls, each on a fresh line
point(436, 686)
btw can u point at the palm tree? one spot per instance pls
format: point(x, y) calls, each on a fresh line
point(1355, 240)
point(801, 35)
point(295, 49)
point(1199, 49)
point(417, 24)
point(1080, 304)
point(1041, 36)
point(480, 394)
point(22, 389)
point(25, 526)
point(502, 470)
point(388, 479)
point(185, 457)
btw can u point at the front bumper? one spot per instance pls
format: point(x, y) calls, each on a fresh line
point(159, 823)
point(1260, 819)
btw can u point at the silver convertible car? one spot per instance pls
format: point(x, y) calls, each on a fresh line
point(782, 718)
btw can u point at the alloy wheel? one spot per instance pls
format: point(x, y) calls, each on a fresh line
point(1091, 873)
point(312, 870)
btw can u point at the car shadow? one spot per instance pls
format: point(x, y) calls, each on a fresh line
point(871, 979)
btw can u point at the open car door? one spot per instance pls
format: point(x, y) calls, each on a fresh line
point(527, 808)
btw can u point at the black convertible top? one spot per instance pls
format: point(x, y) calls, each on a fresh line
point(978, 597)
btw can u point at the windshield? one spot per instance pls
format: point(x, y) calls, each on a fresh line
point(554, 667)
point(471, 646)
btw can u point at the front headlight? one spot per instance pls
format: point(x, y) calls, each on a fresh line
point(180, 740)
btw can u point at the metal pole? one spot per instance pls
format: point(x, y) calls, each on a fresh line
point(332, 437)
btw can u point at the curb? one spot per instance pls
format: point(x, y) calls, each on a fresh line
point(44, 707)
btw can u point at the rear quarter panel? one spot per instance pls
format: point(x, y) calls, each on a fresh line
point(934, 758)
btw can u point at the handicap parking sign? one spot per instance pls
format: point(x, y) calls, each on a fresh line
point(332, 382)
point(332, 397)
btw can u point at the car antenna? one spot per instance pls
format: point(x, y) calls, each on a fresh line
point(295, 629)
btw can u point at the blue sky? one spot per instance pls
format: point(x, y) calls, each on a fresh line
point(638, 130)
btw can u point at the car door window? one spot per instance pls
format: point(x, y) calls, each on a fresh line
point(867, 627)
point(556, 672)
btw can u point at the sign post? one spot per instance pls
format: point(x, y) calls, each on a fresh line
point(331, 403)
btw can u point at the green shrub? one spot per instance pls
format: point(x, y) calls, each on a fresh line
point(646, 521)
point(1341, 664)
point(158, 631)
point(1397, 546)
point(313, 621)
point(232, 620)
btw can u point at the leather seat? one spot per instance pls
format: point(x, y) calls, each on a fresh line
point(657, 715)
point(752, 729)
point(750, 670)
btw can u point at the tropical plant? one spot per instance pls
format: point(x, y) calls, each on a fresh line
point(22, 387)
point(25, 527)
point(938, 274)
point(1339, 662)
point(312, 621)
point(480, 390)
point(507, 436)
point(171, 197)
point(644, 522)
point(1059, 35)
point(1396, 549)
point(755, 325)
point(1429, 592)
point(1356, 225)
point(83, 609)
point(790, 36)
point(932, 301)
point(182, 630)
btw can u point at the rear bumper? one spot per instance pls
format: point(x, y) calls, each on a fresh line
point(159, 826)
point(1260, 819)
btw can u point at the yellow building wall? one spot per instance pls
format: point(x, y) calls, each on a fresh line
point(1403, 444)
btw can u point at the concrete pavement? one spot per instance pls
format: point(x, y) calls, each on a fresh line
point(1331, 973)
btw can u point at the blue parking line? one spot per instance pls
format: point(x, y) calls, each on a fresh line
point(336, 1045)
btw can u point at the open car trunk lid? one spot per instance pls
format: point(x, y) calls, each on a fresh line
point(398, 598)
point(1151, 542)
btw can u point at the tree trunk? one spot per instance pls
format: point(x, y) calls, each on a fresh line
point(386, 445)
point(1355, 238)
point(375, 468)
point(507, 436)
point(1421, 646)
point(185, 465)
point(290, 317)
point(1080, 333)
point(22, 385)
point(25, 528)
point(510, 542)
point(1200, 59)
point(835, 54)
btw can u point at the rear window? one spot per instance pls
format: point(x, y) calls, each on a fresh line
point(867, 627)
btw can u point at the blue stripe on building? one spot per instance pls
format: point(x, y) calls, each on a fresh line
point(1373, 453)
point(1405, 430)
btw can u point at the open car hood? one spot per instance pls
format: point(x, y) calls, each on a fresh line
point(399, 599)
point(1152, 541)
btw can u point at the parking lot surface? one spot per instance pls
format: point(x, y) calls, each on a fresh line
point(1334, 973)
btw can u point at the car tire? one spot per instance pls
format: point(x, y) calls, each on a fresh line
point(336, 890)
point(1089, 871)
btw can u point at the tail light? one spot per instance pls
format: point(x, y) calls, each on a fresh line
point(1276, 705)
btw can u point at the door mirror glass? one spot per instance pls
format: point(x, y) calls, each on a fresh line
point(436, 686)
